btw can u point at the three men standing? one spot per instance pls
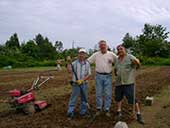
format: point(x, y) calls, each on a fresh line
point(125, 66)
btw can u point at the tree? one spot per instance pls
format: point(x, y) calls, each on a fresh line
point(58, 46)
point(91, 51)
point(39, 39)
point(46, 49)
point(130, 43)
point(155, 32)
point(152, 40)
point(30, 49)
point(70, 52)
point(114, 50)
point(13, 42)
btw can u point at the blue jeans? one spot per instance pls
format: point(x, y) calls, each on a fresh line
point(103, 91)
point(75, 93)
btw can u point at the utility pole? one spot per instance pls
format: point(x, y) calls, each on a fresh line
point(73, 44)
point(77, 44)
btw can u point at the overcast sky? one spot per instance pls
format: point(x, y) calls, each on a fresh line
point(83, 21)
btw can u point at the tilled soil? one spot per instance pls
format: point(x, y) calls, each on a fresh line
point(149, 82)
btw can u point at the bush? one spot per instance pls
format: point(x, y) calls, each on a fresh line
point(154, 61)
point(24, 62)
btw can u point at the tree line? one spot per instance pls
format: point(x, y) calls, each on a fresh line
point(36, 52)
point(151, 43)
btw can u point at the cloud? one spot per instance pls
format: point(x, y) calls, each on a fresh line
point(84, 21)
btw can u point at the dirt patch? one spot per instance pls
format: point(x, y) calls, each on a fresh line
point(150, 81)
point(157, 115)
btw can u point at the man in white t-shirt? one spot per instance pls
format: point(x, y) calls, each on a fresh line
point(103, 60)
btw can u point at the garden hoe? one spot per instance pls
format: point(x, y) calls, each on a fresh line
point(84, 97)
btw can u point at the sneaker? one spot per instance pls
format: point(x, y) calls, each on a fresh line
point(70, 115)
point(139, 119)
point(119, 115)
point(98, 113)
point(107, 113)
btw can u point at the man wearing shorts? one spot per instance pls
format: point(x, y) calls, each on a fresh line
point(125, 67)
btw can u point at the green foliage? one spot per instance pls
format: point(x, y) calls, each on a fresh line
point(70, 52)
point(37, 52)
point(30, 49)
point(151, 43)
point(128, 41)
point(58, 46)
point(39, 39)
point(45, 48)
point(24, 62)
point(154, 61)
point(13, 42)
point(151, 47)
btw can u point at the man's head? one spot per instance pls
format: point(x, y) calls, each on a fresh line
point(82, 54)
point(121, 51)
point(103, 46)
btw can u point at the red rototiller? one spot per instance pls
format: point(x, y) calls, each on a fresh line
point(24, 100)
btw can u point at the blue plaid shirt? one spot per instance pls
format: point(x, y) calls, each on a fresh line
point(81, 69)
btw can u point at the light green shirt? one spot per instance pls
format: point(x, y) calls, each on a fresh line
point(125, 70)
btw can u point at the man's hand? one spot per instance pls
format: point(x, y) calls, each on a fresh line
point(136, 62)
point(79, 82)
point(68, 59)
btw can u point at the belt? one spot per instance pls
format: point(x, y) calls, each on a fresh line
point(104, 73)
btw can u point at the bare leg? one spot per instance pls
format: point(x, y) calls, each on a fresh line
point(119, 106)
point(139, 117)
point(137, 108)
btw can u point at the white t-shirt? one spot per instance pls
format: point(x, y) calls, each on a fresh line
point(103, 61)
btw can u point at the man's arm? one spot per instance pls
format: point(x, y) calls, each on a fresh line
point(114, 57)
point(68, 66)
point(136, 62)
point(92, 58)
point(115, 72)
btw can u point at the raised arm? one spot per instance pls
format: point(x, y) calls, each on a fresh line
point(92, 58)
point(136, 62)
point(68, 66)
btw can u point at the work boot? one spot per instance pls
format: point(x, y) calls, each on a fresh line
point(70, 115)
point(98, 113)
point(139, 119)
point(119, 115)
point(107, 113)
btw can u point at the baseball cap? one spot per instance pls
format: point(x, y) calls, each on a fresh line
point(82, 50)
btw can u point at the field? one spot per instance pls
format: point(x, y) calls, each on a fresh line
point(150, 81)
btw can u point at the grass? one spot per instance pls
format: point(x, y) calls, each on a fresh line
point(29, 69)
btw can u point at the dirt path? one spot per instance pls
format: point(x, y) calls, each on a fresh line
point(157, 115)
